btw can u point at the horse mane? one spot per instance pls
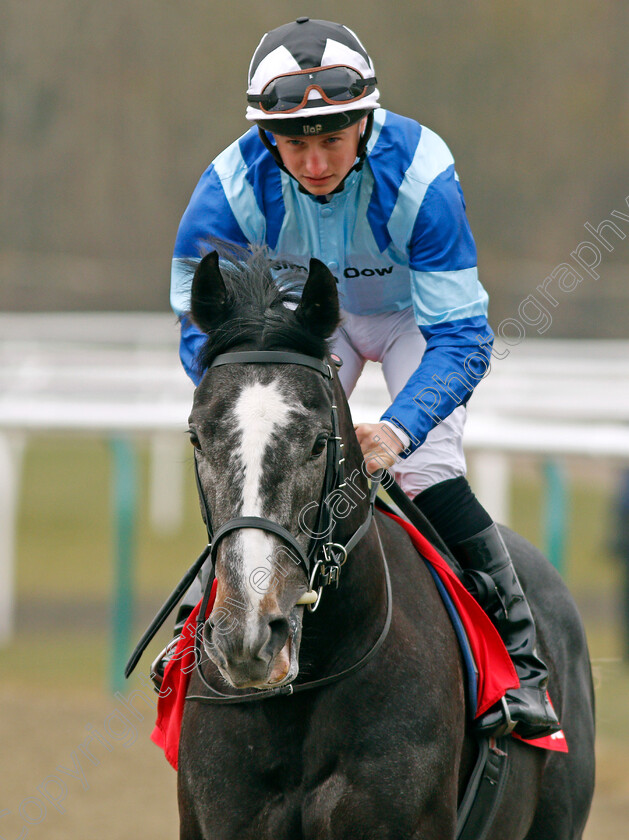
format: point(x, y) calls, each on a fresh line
point(260, 308)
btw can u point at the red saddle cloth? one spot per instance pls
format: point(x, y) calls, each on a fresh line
point(495, 676)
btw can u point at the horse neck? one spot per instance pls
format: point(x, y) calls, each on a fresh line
point(350, 618)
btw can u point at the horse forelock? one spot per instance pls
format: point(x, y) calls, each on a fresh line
point(260, 310)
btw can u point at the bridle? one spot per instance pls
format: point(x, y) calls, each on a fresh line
point(320, 550)
point(324, 559)
point(322, 562)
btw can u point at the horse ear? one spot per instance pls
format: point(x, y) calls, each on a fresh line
point(208, 297)
point(318, 309)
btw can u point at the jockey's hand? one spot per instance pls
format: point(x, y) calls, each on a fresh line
point(379, 444)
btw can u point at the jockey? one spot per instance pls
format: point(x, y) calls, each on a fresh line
point(326, 172)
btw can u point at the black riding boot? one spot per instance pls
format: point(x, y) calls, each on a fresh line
point(528, 705)
point(472, 536)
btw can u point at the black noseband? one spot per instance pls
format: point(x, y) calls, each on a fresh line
point(275, 357)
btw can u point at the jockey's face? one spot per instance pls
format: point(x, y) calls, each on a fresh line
point(321, 162)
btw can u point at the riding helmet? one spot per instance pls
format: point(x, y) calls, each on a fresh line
point(310, 77)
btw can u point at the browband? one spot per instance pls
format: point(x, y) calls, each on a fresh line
point(277, 357)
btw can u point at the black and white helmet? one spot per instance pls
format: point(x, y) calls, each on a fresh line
point(310, 77)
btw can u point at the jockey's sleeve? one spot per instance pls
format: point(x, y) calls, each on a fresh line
point(207, 216)
point(450, 307)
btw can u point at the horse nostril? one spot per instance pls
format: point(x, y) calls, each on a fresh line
point(279, 633)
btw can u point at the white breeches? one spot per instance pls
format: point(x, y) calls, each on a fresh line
point(394, 339)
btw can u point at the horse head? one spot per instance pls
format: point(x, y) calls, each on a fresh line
point(262, 434)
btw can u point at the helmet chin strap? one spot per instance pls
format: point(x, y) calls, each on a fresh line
point(361, 154)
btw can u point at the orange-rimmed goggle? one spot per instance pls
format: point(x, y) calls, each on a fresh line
point(289, 92)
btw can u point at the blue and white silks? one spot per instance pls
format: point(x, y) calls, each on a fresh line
point(396, 236)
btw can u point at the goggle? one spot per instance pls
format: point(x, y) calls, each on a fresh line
point(336, 83)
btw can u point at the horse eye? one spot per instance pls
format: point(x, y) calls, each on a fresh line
point(319, 445)
point(194, 440)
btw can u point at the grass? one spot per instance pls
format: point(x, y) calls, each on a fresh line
point(590, 565)
point(56, 659)
point(65, 531)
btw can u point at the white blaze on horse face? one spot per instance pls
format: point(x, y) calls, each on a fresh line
point(262, 412)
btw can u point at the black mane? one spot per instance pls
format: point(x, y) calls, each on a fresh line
point(259, 310)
